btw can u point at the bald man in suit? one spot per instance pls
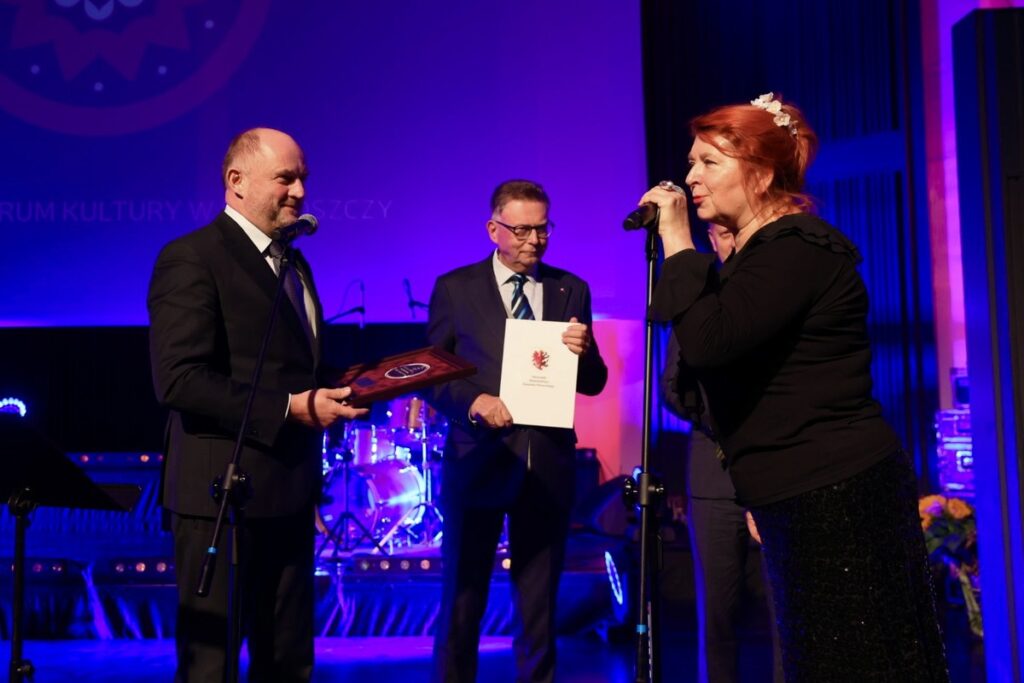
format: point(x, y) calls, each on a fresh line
point(210, 298)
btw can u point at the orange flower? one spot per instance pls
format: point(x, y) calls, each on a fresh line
point(958, 509)
point(930, 505)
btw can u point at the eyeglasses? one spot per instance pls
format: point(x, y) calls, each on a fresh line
point(522, 232)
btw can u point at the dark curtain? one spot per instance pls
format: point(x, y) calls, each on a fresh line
point(854, 69)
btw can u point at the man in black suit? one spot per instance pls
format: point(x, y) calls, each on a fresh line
point(210, 298)
point(493, 467)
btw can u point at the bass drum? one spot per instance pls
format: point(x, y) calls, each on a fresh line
point(380, 495)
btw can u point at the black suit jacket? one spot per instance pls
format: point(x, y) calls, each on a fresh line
point(467, 318)
point(209, 301)
point(706, 475)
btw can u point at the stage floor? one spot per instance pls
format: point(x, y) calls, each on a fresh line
point(581, 658)
point(377, 660)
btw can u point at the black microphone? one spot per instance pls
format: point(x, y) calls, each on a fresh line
point(306, 225)
point(642, 217)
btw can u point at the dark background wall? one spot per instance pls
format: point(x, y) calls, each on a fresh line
point(89, 388)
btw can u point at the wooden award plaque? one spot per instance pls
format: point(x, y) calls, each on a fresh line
point(400, 374)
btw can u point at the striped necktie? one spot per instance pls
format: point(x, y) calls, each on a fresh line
point(520, 304)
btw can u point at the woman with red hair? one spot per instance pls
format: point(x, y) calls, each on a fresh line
point(778, 339)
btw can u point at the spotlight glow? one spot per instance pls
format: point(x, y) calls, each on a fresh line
point(614, 582)
point(13, 405)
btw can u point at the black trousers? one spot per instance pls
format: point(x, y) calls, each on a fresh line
point(538, 527)
point(277, 600)
point(851, 583)
point(721, 544)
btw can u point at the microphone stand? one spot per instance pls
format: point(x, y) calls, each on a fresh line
point(646, 491)
point(346, 520)
point(232, 491)
point(350, 311)
point(360, 309)
point(412, 303)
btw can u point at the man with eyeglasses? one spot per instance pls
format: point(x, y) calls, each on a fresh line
point(492, 467)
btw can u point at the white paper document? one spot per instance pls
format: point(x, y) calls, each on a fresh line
point(538, 374)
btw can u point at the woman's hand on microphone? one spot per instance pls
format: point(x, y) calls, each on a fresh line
point(674, 221)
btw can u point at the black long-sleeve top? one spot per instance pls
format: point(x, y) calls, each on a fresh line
point(778, 338)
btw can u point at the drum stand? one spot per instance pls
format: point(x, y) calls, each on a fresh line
point(345, 522)
point(430, 538)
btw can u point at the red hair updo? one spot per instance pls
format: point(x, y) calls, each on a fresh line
point(765, 140)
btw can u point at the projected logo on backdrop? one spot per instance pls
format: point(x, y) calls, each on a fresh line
point(108, 67)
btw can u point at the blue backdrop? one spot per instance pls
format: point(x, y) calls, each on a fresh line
point(114, 117)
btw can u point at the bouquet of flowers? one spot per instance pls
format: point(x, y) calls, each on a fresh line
point(951, 536)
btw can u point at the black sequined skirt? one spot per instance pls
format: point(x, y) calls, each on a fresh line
point(850, 579)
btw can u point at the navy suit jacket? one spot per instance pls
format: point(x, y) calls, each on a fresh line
point(210, 297)
point(467, 318)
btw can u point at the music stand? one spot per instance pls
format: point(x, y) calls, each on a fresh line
point(35, 473)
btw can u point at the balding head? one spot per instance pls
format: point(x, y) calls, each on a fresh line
point(244, 146)
point(264, 172)
point(240, 150)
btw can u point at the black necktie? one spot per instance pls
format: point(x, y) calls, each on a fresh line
point(520, 304)
point(292, 286)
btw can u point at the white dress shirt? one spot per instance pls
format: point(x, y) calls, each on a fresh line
point(532, 288)
point(262, 242)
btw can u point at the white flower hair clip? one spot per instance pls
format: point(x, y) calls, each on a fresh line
point(773, 106)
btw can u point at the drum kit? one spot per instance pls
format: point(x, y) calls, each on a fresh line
point(380, 482)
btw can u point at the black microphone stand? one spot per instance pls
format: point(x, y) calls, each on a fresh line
point(412, 303)
point(232, 492)
point(20, 506)
point(340, 531)
point(646, 491)
point(360, 309)
point(347, 312)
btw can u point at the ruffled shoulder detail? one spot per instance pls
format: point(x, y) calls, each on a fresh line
point(810, 229)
